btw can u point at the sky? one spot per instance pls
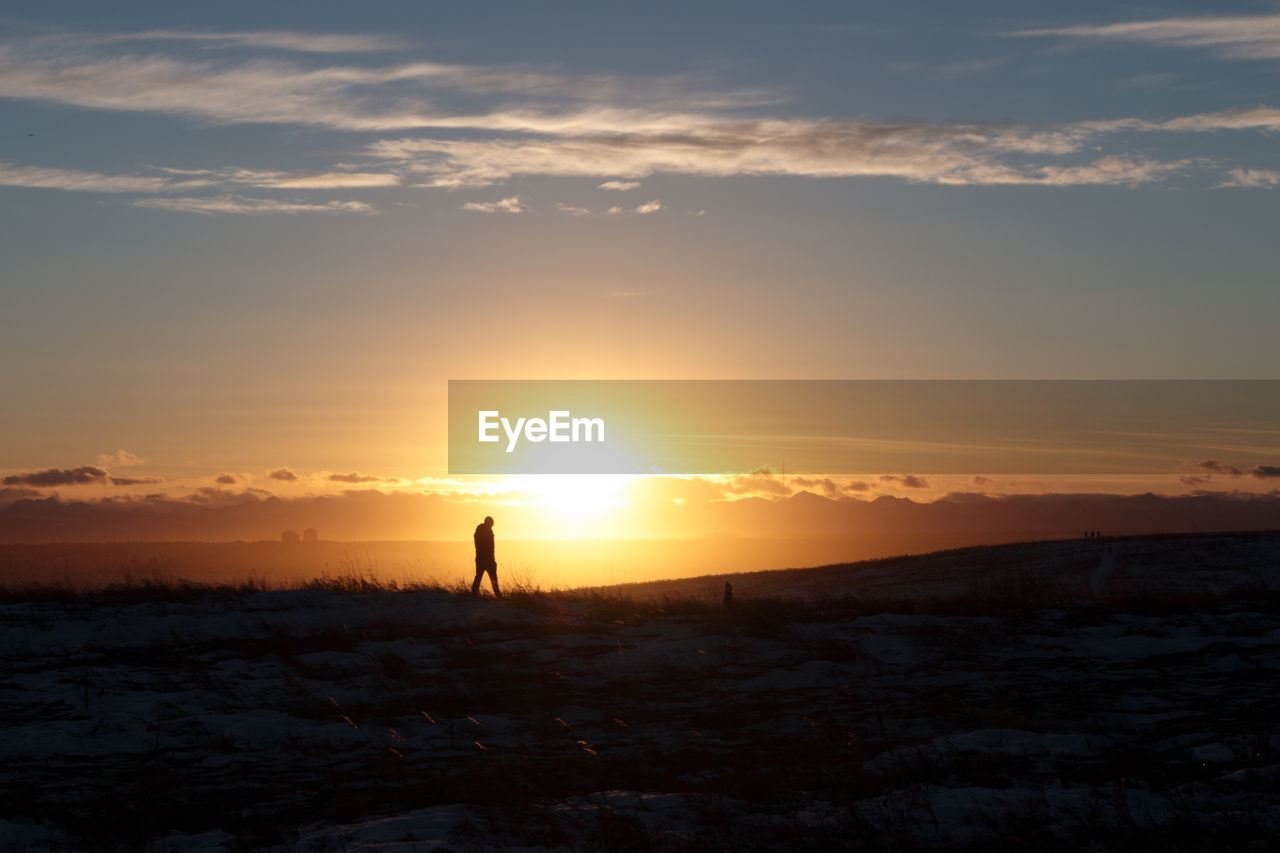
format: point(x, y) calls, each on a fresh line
point(246, 245)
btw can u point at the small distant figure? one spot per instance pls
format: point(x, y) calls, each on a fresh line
point(1100, 575)
point(728, 595)
point(485, 561)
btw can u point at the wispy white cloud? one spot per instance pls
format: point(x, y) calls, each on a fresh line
point(1112, 170)
point(506, 205)
point(1262, 118)
point(331, 180)
point(228, 93)
point(572, 210)
point(72, 71)
point(186, 180)
point(279, 40)
point(640, 210)
point(615, 130)
point(1252, 178)
point(944, 153)
point(73, 179)
point(1237, 37)
point(268, 179)
point(1242, 118)
point(240, 204)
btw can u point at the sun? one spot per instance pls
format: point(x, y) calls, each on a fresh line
point(577, 505)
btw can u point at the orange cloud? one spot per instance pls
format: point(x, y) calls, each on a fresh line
point(354, 477)
point(83, 475)
point(910, 481)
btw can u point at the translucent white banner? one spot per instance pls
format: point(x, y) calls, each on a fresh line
point(860, 426)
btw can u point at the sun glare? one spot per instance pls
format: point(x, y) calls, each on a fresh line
point(577, 505)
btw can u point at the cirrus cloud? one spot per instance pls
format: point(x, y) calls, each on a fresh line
point(239, 204)
point(1252, 178)
point(75, 70)
point(521, 120)
point(280, 40)
point(919, 152)
point(288, 180)
point(12, 175)
point(506, 205)
point(1236, 37)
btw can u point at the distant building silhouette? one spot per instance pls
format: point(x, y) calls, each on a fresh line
point(309, 536)
point(290, 537)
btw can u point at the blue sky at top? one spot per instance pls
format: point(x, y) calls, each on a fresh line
point(221, 216)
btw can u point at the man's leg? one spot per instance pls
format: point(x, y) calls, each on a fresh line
point(493, 579)
point(475, 584)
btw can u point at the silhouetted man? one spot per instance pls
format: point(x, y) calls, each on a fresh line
point(485, 561)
